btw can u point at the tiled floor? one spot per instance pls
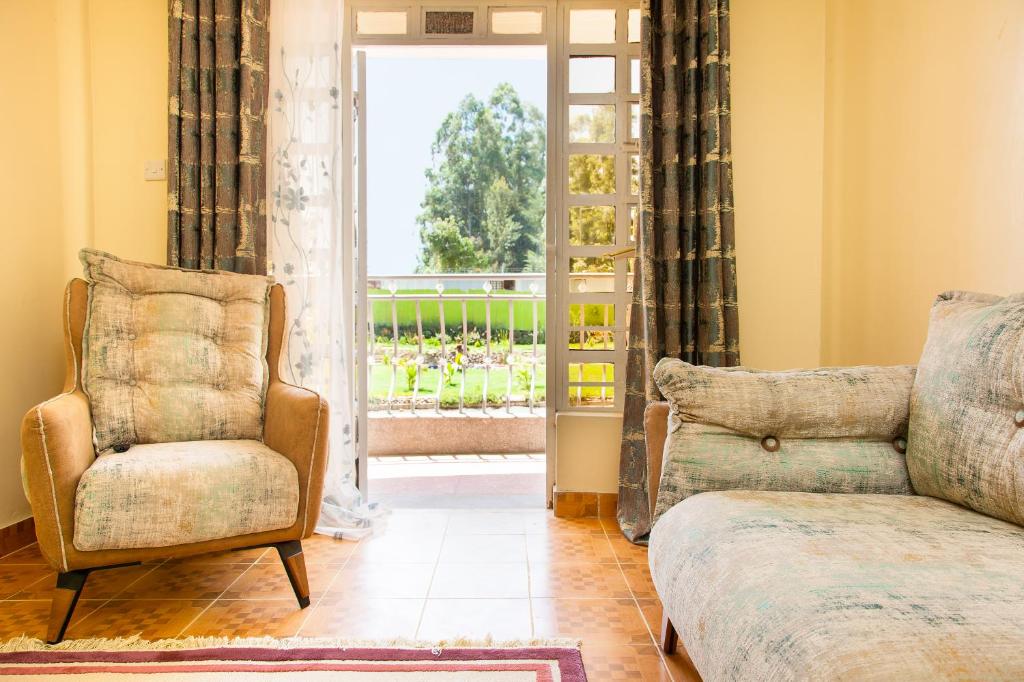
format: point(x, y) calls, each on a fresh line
point(458, 481)
point(430, 574)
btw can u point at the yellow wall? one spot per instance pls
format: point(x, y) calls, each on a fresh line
point(34, 242)
point(778, 123)
point(86, 83)
point(128, 41)
point(924, 162)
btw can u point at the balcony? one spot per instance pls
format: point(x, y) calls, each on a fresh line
point(456, 363)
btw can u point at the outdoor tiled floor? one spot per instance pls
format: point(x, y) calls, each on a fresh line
point(430, 574)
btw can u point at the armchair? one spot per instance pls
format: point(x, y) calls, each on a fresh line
point(258, 492)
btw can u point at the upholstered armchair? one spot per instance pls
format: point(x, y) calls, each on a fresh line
point(171, 472)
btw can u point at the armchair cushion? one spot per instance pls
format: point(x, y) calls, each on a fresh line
point(821, 430)
point(173, 355)
point(167, 494)
point(966, 439)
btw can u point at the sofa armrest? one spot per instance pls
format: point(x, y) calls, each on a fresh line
point(296, 425)
point(57, 448)
point(655, 432)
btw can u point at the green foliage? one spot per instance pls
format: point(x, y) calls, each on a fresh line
point(591, 174)
point(445, 249)
point(488, 184)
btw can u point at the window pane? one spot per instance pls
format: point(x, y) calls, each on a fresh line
point(591, 225)
point(634, 174)
point(634, 121)
point(634, 221)
point(592, 283)
point(591, 372)
point(584, 321)
point(633, 26)
point(630, 264)
point(591, 74)
point(591, 174)
point(591, 123)
point(634, 76)
point(371, 23)
point(448, 22)
point(592, 26)
point(517, 22)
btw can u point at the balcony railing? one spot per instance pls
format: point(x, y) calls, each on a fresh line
point(452, 341)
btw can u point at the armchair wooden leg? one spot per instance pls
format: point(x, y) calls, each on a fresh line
point(65, 598)
point(669, 636)
point(295, 567)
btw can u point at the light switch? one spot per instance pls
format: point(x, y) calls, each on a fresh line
point(154, 169)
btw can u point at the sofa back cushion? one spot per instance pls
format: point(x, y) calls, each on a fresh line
point(172, 354)
point(823, 430)
point(966, 436)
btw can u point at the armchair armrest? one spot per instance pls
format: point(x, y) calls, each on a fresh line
point(56, 446)
point(823, 430)
point(296, 425)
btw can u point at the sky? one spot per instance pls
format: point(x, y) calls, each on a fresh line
point(409, 91)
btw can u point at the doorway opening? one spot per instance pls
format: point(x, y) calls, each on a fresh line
point(454, 189)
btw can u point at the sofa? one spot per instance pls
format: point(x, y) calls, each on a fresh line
point(848, 523)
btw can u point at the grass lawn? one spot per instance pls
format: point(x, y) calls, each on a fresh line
point(380, 379)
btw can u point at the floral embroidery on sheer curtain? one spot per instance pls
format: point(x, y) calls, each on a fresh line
point(304, 189)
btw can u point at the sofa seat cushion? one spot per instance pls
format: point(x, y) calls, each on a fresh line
point(782, 586)
point(167, 494)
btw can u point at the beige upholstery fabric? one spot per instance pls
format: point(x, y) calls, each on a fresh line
point(831, 402)
point(173, 355)
point(966, 440)
point(167, 494)
point(794, 586)
point(834, 430)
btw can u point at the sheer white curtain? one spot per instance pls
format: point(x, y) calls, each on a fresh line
point(304, 179)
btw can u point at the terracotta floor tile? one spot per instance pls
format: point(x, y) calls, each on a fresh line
point(625, 551)
point(15, 578)
point(318, 549)
point(103, 584)
point(638, 576)
point(269, 581)
point(184, 581)
point(472, 549)
point(149, 618)
point(406, 581)
point(546, 523)
point(596, 621)
point(241, 556)
point(624, 662)
point(363, 618)
point(569, 548)
point(681, 667)
point(651, 610)
point(25, 555)
point(30, 618)
point(476, 619)
point(577, 581)
point(486, 523)
point(250, 618)
point(480, 581)
point(393, 548)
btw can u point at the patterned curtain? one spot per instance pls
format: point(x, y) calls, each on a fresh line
point(684, 294)
point(306, 159)
point(216, 185)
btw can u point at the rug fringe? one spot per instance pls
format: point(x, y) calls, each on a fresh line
point(136, 643)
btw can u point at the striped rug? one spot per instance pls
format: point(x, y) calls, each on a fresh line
point(300, 660)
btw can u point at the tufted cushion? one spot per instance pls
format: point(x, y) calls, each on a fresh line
point(173, 355)
point(966, 441)
point(833, 430)
point(794, 586)
point(167, 494)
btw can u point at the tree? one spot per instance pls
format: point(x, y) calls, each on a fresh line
point(448, 250)
point(487, 182)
